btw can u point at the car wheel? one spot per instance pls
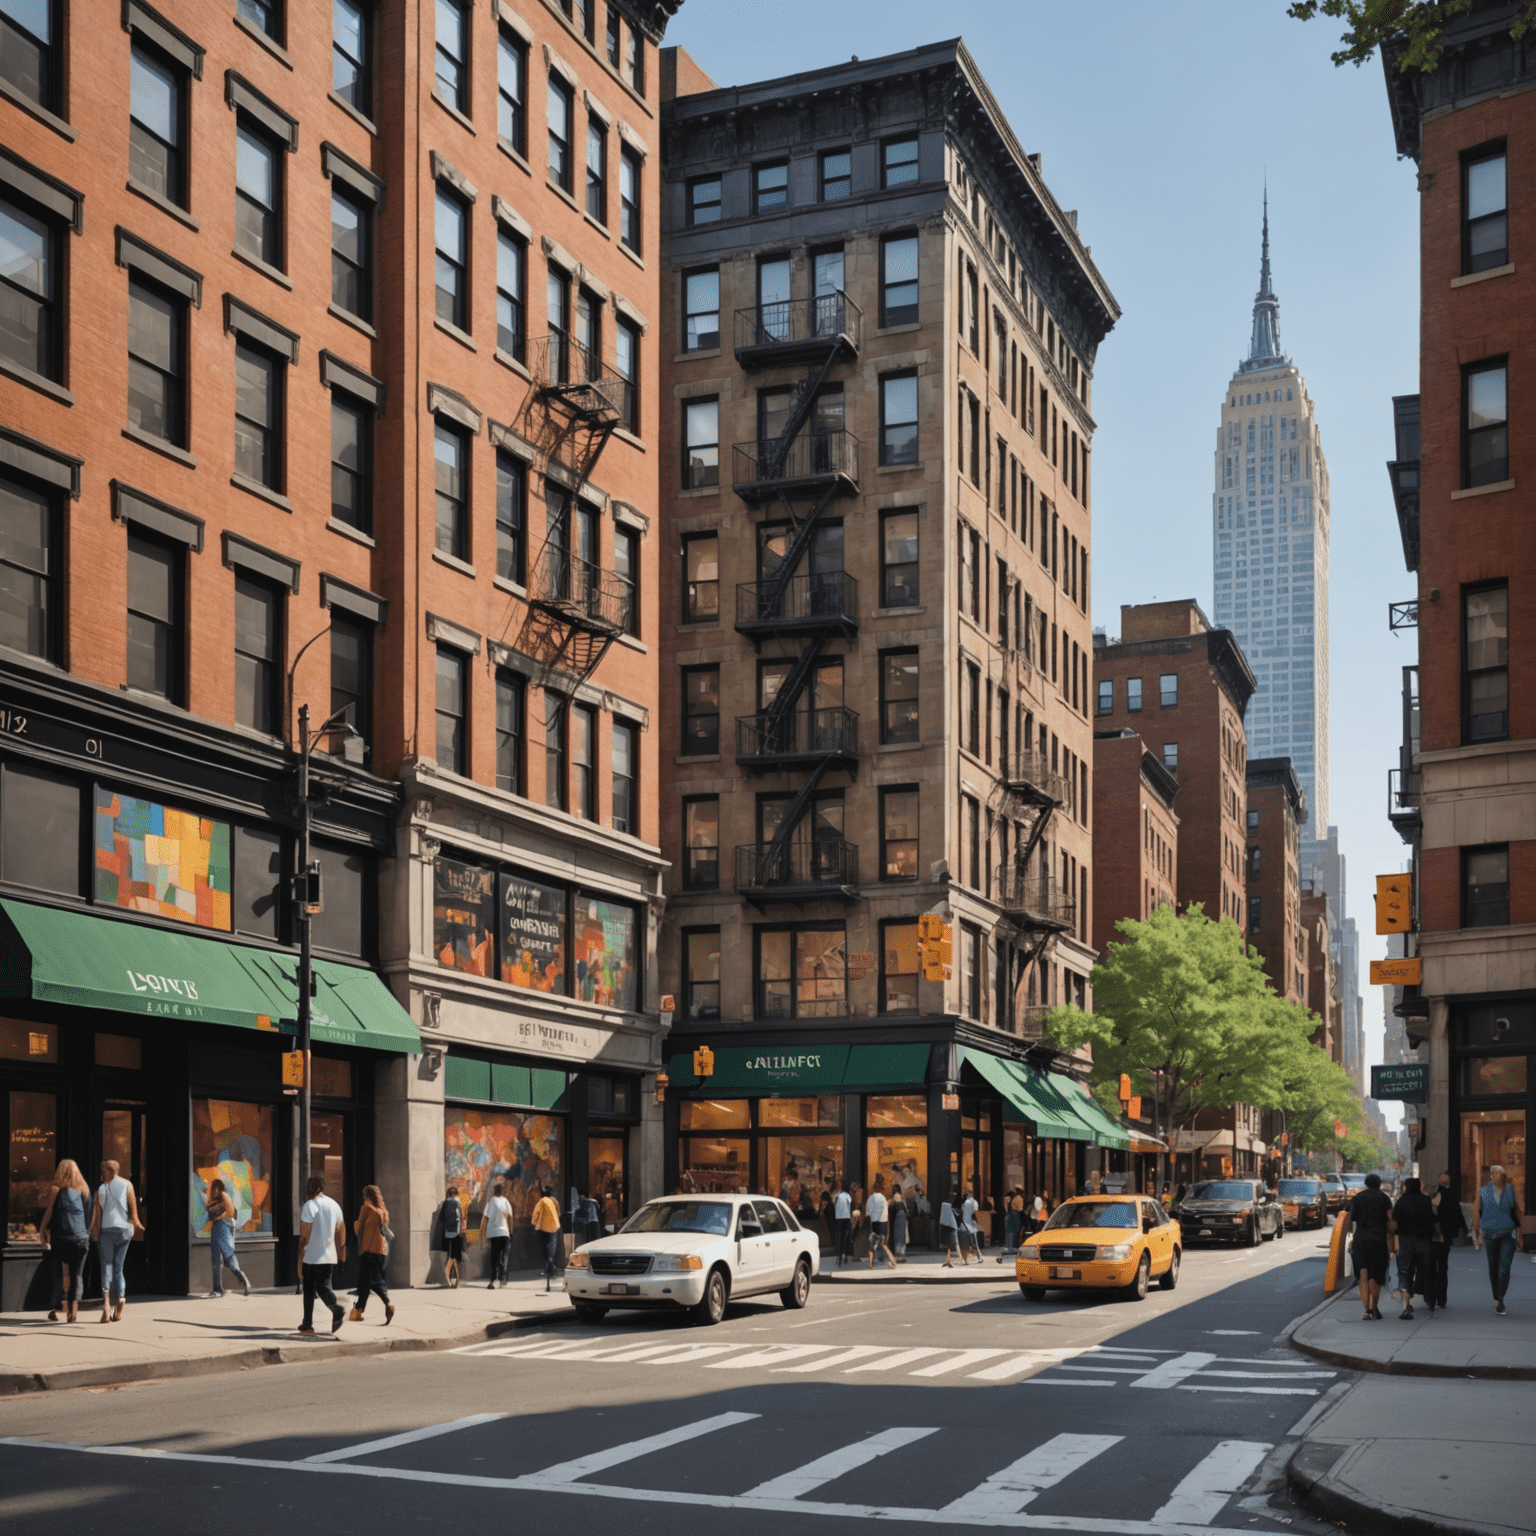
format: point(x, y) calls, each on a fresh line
point(1169, 1279)
point(711, 1309)
point(1255, 1237)
point(1033, 1292)
point(590, 1312)
point(1137, 1289)
point(1280, 1228)
point(1265, 1236)
point(798, 1291)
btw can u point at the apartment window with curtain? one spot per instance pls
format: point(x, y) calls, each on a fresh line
point(898, 560)
point(450, 452)
point(351, 53)
point(157, 360)
point(452, 252)
point(30, 50)
point(701, 711)
point(351, 254)
point(898, 832)
point(351, 462)
point(1485, 424)
point(258, 416)
point(258, 654)
point(898, 418)
point(157, 123)
point(452, 710)
point(451, 54)
point(625, 754)
point(1485, 662)
point(352, 678)
point(898, 697)
point(30, 566)
point(597, 170)
point(31, 289)
point(898, 280)
point(704, 200)
point(1484, 209)
point(701, 578)
point(511, 732)
point(512, 90)
point(511, 291)
point(258, 193)
point(556, 748)
point(561, 112)
point(701, 443)
point(583, 761)
point(156, 615)
point(1485, 887)
point(629, 198)
point(701, 843)
point(701, 973)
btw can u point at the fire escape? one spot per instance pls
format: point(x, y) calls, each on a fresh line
point(576, 609)
point(800, 472)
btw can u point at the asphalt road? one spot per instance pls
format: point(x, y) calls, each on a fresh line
point(922, 1405)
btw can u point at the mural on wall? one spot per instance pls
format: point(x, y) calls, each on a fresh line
point(533, 934)
point(605, 952)
point(233, 1142)
point(524, 1150)
point(151, 858)
point(463, 914)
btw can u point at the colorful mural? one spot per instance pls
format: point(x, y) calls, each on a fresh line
point(532, 934)
point(463, 912)
point(150, 858)
point(233, 1142)
point(605, 953)
point(524, 1150)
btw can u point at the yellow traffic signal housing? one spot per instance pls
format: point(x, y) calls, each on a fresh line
point(1133, 1108)
point(293, 1069)
point(1394, 903)
point(1125, 1086)
point(703, 1062)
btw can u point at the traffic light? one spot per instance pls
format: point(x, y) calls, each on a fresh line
point(703, 1062)
point(1133, 1108)
point(293, 1069)
point(1125, 1087)
point(1394, 903)
point(935, 948)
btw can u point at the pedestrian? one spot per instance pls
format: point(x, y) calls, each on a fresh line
point(372, 1229)
point(1414, 1218)
point(898, 1226)
point(1496, 1225)
point(66, 1239)
point(546, 1222)
point(1013, 1224)
point(842, 1224)
point(322, 1246)
point(1370, 1214)
point(451, 1215)
point(875, 1209)
point(1037, 1214)
point(969, 1238)
point(114, 1220)
point(221, 1238)
point(949, 1232)
point(496, 1232)
point(592, 1220)
point(1450, 1223)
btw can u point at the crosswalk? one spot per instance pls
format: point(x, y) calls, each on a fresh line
point(1092, 1365)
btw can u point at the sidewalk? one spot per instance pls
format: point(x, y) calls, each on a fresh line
point(1446, 1456)
point(918, 1269)
point(164, 1336)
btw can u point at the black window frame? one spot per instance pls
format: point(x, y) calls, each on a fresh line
point(582, 720)
point(1484, 225)
point(274, 459)
point(1493, 469)
point(693, 612)
point(361, 476)
point(557, 750)
point(613, 48)
point(1493, 909)
point(899, 732)
point(692, 1008)
point(457, 660)
point(632, 69)
point(358, 702)
point(174, 190)
point(267, 696)
point(50, 52)
point(454, 262)
point(265, 15)
point(512, 93)
point(886, 841)
point(899, 314)
point(626, 567)
point(1470, 734)
point(700, 874)
point(268, 249)
point(704, 476)
point(707, 743)
point(901, 456)
point(561, 166)
point(624, 788)
point(691, 334)
point(888, 164)
point(173, 556)
point(705, 211)
point(907, 573)
point(51, 303)
point(356, 89)
point(174, 383)
point(768, 204)
point(794, 930)
point(1170, 757)
point(843, 178)
point(886, 973)
point(595, 201)
point(1106, 696)
point(511, 732)
point(50, 579)
point(511, 517)
point(344, 265)
point(512, 303)
point(459, 507)
point(631, 220)
point(454, 86)
point(626, 337)
point(557, 316)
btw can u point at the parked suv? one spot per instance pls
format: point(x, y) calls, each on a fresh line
point(1303, 1202)
point(1230, 1211)
point(1337, 1192)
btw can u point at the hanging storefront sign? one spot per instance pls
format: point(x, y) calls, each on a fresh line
point(1407, 1080)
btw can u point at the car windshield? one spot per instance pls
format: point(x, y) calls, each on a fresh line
point(1223, 1190)
point(1354, 1181)
point(1093, 1213)
point(1299, 1186)
point(708, 1216)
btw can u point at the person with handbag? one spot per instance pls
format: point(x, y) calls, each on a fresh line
point(114, 1224)
point(1450, 1224)
point(450, 1217)
point(64, 1235)
point(373, 1239)
point(1496, 1223)
point(546, 1222)
point(221, 1238)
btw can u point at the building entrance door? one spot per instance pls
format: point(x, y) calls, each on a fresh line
point(125, 1141)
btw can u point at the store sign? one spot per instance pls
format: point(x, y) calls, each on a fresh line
point(549, 1039)
point(1408, 1080)
point(1398, 973)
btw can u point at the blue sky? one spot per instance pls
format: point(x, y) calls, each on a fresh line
point(1159, 123)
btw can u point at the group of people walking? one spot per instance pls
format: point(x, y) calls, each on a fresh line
point(449, 1231)
point(73, 1219)
point(886, 1217)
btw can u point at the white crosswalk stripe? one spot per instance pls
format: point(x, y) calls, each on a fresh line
point(1022, 1481)
point(794, 1485)
point(1202, 1494)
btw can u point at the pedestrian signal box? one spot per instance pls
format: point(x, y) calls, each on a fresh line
point(1125, 1087)
point(703, 1062)
point(935, 947)
point(1133, 1108)
point(1394, 903)
point(293, 1069)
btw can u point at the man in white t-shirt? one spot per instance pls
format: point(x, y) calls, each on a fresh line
point(842, 1223)
point(322, 1246)
point(496, 1232)
point(875, 1209)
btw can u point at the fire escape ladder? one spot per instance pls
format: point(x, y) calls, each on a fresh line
point(799, 413)
point(794, 814)
point(795, 684)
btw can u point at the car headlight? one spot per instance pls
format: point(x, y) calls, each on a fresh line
point(671, 1263)
point(1030, 1253)
point(576, 1261)
point(1116, 1253)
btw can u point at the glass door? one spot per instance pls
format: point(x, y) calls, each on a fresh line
point(605, 1178)
point(125, 1141)
point(1490, 1136)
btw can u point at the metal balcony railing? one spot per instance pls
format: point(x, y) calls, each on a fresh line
point(798, 328)
point(581, 591)
point(562, 366)
point(1030, 770)
point(814, 601)
point(803, 734)
point(822, 865)
point(1035, 900)
point(812, 459)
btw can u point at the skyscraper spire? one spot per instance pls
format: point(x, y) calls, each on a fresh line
point(1264, 348)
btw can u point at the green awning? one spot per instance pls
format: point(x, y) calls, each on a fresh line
point(1056, 1091)
point(805, 1069)
point(85, 961)
point(886, 1066)
point(1107, 1130)
point(1030, 1094)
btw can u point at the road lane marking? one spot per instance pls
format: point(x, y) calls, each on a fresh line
point(792, 1485)
point(1171, 1372)
point(691, 1352)
point(632, 1450)
point(964, 1358)
point(1273, 1376)
point(853, 1352)
point(640, 1351)
point(1185, 1386)
point(901, 1357)
point(407, 1437)
point(1066, 1381)
point(773, 1354)
point(1022, 1481)
point(1203, 1493)
point(1233, 1333)
point(843, 1317)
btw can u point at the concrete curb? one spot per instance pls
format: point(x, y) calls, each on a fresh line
point(1414, 1367)
point(12, 1383)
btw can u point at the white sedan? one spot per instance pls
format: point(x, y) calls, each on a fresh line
point(697, 1252)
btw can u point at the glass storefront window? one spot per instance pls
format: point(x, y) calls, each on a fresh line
point(1015, 1157)
point(524, 1151)
point(605, 952)
point(896, 1109)
point(715, 1165)
point(826, 1110)
point(1493, 1074)
point(331, 1078)
point(1491, 1136)
point(802, 1169)
point(233, 1142)
point(125, 1141)
point(715, 1114)
point(533, 934)
point(33, 1156)
point(153, 858)
point(1496, 1024)
point(899, 1161)
point(605, 1178)
point(327, 1155)
point(20, 1041)
point(121, 1051)
point(463, 916)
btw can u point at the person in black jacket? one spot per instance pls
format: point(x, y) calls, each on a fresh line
point(1414, 1217)
point(1450, 1223)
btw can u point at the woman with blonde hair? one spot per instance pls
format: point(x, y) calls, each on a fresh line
point(113, 1224)
point(64, 1235)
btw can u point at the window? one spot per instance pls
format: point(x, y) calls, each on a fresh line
point(1171, 756)
point(351, 52)
point(511, 270)
point(511, 518)
point(701, 310)
point(156, 627)
point(511, 732)
point(452, 710)
point(1484, 211)
point(561, 112)
point(557, 314)
point(583, 761)
point(898, 418)
point(1485, 428)
point(1168, 689)
point(452, 230)
point(351, 255)
point(770, 187)
point(451, 490)
point(802, 973)
point(588, 359)
point(30, 288)
point(836, 175)
point(258, 189)
point(701, 443)
point(611, 40)
point(512, 91)
point(898, 280)
point(156, 125)
point(1106, 696)
point(156, 362)
point(701, 711)
point(626, 771)
point(898, 833)
point(704, 200)
point(452, 54)
point(899, 967)
point(30, 568)
point(258, 416)
point(1485, 887)
point(629, 198)
point(597, 170)
point(264, 15)
point(556, 726)
point(1485, 651)
point(701, 975)
point(634, 59)
point(898, 560)
point(1253, 821)
point(970, 970)
point(898, 696)
point(258, 655)
point(626, 363)
point(29, 59)
point(701, 578)
point(701, 844)
point(352, 678)
point(899, 163)
point(626, 566)
point(40, 834)
point(1133, 694)
point(972, 706)
point(351, 462)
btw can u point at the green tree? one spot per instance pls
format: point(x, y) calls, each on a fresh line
point(1420, 23)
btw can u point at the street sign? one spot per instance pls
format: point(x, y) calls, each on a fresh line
point(1406, 1080)
point(1394, 903)
point(951, 1101)
point(1133, 1109)
point(1125, 1086)
point(1397, 973)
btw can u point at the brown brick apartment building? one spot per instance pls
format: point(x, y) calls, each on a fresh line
point(1276, 811)
point(323, 315)
point(1133, 808)
point(1466, 793)
point(1322, 975)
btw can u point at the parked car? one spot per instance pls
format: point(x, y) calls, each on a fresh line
point(1336, 1191)
point(695, 1252)
point(1303, 1202)
point(1102, 1242)
point(1231, 1211)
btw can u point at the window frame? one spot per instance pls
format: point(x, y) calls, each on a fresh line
point(512, 518)
point(560, 167)
point(692, 880)
point(248, 132)
point(911, 589)
point(1501, 916)
point(884, 1005)
point(596, 177)
point(445, 199)
point(704, 476)
point(1470, 435)
point(1484, 154)
point(51, 578)
point(626, 568)
point(697, 184)
point(451, 655)
point(175, 625)
point(360, 712)
point(175, 383)
point(686, 747)
point(690, 983)
point(582, 720)
point(886, 791)
point(888, 734)
point(50, 55)
point(691, 334)
point(624, 787)
point(763, 168)
point(511, 738)
point(794, 931)
point(557, 750)
point(1469, 673)
point(365, 414)
point(823, 181)
point(359, 94)
point(626, 338)
point(513, 301)
point(52, 304)
point(1170, 757)
point(631, 208)
point(1134, 696)
point(1105, 696)
point(269, 696)
point(887, 456)
point(691, 613)
point(887, 165)
point(175, 153)
point(458, 546)
point(512, 104)
point(898, 314)
point(276, 466)
point(454, 93)
point(1167, 698)
point(362, 269)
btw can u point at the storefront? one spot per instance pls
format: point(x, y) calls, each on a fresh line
point(1493, 1052)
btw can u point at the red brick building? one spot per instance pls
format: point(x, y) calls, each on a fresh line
point(1272, 868)
point(1133, 795)
point(1322, 979)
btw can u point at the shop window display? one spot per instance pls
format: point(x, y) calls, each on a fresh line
point(715, 1115)
point(151, 858)
point(605, 1178)
point(533, 934)
point(1493, 1074)
point(894, 1161)
point(715, 1165)
point(232, 1141)
point(463, 916)
point(895, 1109)
point(33, 1156)
point(524, 1151)
point(22, 1041)
point(328, 1155)
point(1491, 1136)
point(804, 1170)
point(605, 953)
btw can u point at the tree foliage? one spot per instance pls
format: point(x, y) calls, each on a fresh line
point(1421, 24)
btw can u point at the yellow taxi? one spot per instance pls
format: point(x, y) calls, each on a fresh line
point(1102, 1242)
